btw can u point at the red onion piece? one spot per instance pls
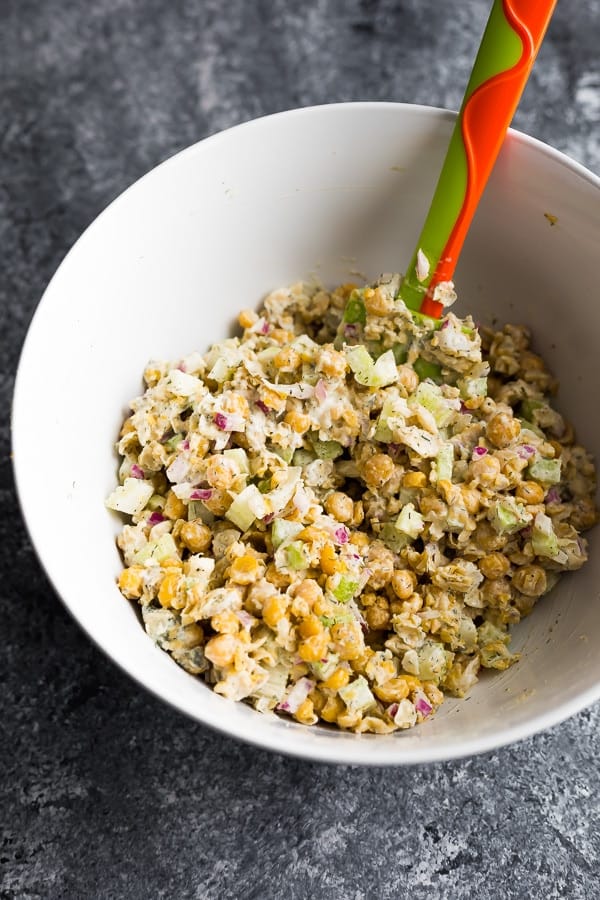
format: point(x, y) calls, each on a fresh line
point(201, 494)
point(321, 390)
point(553, 495)
point(422, 706)
point(525, 451)
point(136, 472)
point(155, 519)
point(185, 445)
point(341, 535)
point(392, 710)
point(221, 421)
point(297, 695)
point(478, 452)
point(263, 407)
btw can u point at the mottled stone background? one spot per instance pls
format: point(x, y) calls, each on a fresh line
point(105, 792)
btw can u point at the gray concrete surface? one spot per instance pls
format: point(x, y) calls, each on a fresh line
point(104, 792)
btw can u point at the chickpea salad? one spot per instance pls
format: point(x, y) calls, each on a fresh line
point(339, 515)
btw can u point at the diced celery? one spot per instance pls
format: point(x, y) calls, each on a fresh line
point(369, 373)
point(155, 502)
point(131, 497)
point(445, 463)
point(426, 321)
point(357, 695)
point(174, 442)
point(275, 685)
point(246, 506)
point(265, 356)
point(545, 470)
point(239, 457)
point(183, 384)
point(430, 396)
point(330, 621)
point(346, 589)
point(392, 538)
point(296, 555)
point(327, 449)
point(355, 309)
point(543, 538)
point(426, 369)
point(195, 508)
point(284, 453)
point(157, 551)
point(282, 531)
point(383, 432)
point(529, 406)
point(472, 387)
point(303, 457)
point(529, 426)
point(280, 496)
point(222, 370)
point(508, 515)
point(433, 661)
point(264, 485)
point(322, 670)
point(410, 521)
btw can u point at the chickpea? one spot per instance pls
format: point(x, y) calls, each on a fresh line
point(403, 583)
point(584, 513)
point(309, 591)
point(131, 583)
point(377, 302)
point(529, 492)
point(340, 506)
point(305, 714)
point(392, 691)
point(503, 429)
point(485, 470)
point(496, 592)
point(487, 538)
point(287, 359)
point(310, 626)
point(219, 473)
point(247, 318)
point(347, 639)
point(277, 579)
point(331, 362)
point(196, 536)
point(225, 622)
point(408, 378)
point(471, 499)
point(414, 480)
point(298, 422)
point(274, 609)
point(530, 580)
point(220, 650)
point(358, 514)
point(381, 564)
point(334, 706)
point(378, 615)
point(245, 570)
point(338, 679)
point(494, 565)
point(377, 470)
point(314, 648)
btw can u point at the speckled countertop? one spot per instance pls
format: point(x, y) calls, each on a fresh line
point(104, 792)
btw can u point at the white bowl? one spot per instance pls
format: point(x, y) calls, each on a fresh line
point(326, 191)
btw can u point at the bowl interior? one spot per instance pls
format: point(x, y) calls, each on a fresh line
point(318, 193)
